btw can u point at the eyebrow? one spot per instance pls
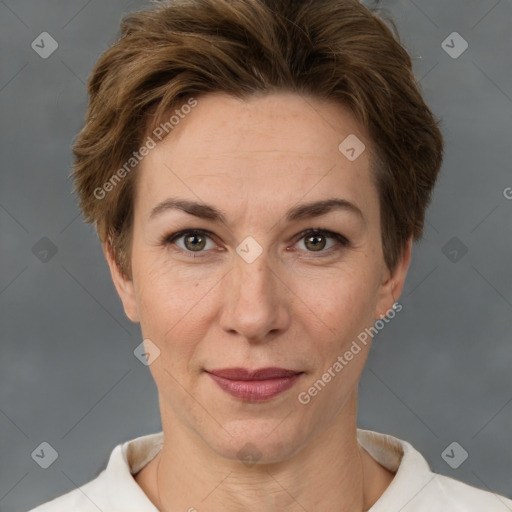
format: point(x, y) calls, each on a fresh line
point(303, 211)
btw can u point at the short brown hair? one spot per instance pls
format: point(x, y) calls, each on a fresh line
point(337, 50)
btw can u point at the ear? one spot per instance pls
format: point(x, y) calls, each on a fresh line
point(393, 282)
point(124, 285)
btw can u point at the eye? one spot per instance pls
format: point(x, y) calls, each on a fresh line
point(315, 240)
point(194, 240)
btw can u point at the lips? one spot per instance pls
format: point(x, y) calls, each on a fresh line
point(254, 385)
point(260, 374)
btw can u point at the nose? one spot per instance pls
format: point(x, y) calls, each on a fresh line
point(256, 301)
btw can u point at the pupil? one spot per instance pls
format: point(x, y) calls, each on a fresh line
point(313, 237)
point(191, 238)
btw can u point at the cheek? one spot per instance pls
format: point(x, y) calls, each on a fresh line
point(173, 309)
point(345, 309)
point(344, 302)
point(163, 290)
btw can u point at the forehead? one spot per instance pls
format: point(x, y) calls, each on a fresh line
point(281, 145)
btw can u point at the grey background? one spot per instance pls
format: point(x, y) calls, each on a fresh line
point(438, 373)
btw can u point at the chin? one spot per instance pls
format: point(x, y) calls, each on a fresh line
point(255, 440)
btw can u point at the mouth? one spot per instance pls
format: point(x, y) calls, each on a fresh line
point(254, 385)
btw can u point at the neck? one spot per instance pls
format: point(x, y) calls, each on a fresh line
point(331, 473)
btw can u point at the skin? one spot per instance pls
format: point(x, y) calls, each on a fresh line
point(293, 307)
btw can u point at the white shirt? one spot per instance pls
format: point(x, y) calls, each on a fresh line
point(414, 487)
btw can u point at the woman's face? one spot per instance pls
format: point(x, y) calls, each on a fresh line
point(256, 290)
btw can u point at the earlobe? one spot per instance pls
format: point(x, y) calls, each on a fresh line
point(123, 285)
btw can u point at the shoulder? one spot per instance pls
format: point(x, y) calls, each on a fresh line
point(415, 488)
point(115, 488)
point(443, 491)
point(89, 497)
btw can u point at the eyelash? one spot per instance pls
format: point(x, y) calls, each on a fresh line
point(342, 241)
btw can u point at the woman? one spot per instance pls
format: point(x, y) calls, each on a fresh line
point(257, 171)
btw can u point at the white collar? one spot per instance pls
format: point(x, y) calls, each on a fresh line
point(397, 455)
